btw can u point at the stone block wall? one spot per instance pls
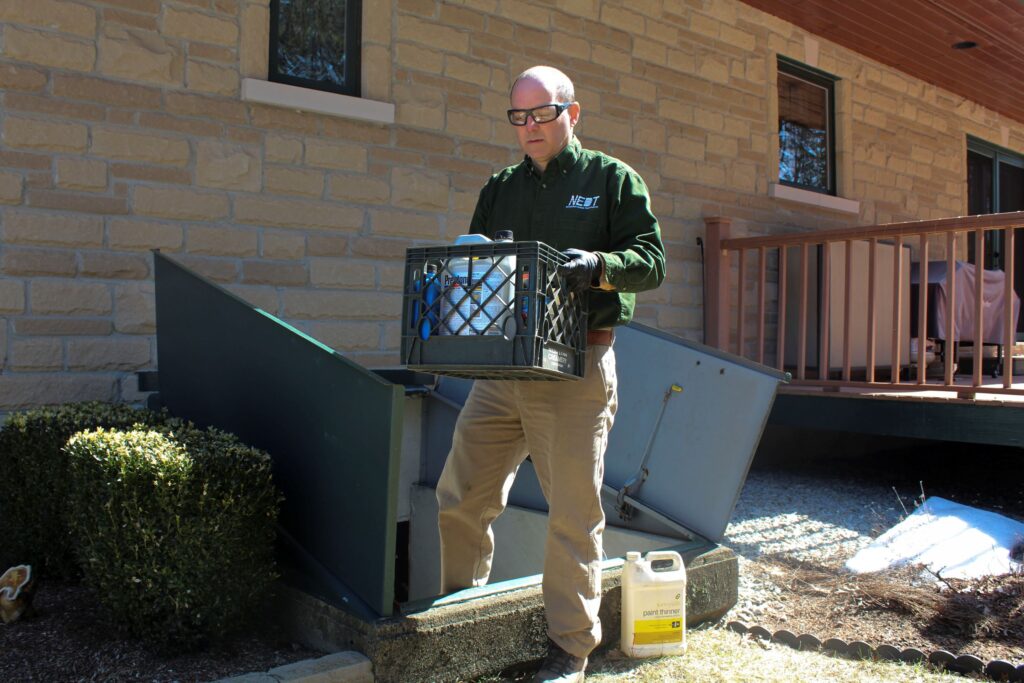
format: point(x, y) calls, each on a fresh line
point(123, 129)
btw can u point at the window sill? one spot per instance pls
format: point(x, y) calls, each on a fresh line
point(306, 99)
point(822, 201)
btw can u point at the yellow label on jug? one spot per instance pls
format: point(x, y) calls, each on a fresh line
point(657, 631)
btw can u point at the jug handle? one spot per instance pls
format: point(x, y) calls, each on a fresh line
point(655, 555)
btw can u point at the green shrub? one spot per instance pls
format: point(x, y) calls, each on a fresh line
point(175, 529)
point(33, 480)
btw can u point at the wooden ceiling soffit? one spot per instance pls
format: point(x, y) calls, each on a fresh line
point(917, 38)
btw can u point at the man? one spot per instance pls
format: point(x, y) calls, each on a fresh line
point(597, 210)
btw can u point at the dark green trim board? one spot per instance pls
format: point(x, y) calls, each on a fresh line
point(332, 427)
point(967, 422)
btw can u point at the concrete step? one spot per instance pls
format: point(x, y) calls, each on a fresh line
point(484, 634)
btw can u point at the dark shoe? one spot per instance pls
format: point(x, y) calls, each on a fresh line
point(560, 667)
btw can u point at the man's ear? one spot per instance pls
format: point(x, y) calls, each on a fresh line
point(574, 113)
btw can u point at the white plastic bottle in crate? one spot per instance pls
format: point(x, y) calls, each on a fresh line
point(653, 605)
point(508, 266)
point(491, 292)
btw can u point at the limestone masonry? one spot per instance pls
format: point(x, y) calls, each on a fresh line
point(124, 130)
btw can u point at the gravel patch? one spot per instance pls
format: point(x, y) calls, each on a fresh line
point(806, 517)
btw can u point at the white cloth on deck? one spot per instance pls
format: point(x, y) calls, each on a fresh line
point(993, 297)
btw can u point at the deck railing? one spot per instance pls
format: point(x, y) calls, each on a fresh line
point(758, 267)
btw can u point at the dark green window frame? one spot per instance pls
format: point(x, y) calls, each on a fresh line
point(305, 52)
point(814, 81)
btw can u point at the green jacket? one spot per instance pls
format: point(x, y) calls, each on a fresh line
point(587, 200)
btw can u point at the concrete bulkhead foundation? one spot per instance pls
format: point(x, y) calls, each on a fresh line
point(483, 631)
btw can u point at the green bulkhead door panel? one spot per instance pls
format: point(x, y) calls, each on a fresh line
point(332, 427)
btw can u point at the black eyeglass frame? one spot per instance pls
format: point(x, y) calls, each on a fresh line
point(559, 108)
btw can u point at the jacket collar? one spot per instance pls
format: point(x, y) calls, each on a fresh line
point(564, 161)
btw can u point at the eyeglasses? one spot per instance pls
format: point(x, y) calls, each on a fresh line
point(541, 114)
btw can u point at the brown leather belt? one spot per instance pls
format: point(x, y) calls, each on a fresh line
point(600, 337)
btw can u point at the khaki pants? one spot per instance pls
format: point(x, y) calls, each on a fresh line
point(564, 427)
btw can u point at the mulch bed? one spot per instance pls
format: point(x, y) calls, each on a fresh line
point(65, 638)
point(903, 608)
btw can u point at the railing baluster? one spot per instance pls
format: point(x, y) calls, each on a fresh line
point(922, 310)
point(780, 344)
point(761, 269)
point(739, 304)
point(824, 360)
point(897, 310)
point(979, 314)
point(950, 343)
point(821, 330)
point(1009, 333)
point(846, 311)
point(801, 361)
point(872, 323)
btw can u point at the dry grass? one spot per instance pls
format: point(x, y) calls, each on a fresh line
point(716, 654)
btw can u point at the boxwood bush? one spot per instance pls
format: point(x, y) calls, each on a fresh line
point(174, 529)
point(34, 483)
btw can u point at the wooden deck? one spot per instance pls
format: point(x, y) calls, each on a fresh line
point(914, 412)
point(910, 390)
point(852, 316)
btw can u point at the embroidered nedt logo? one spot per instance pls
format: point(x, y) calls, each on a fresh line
point(580, 202)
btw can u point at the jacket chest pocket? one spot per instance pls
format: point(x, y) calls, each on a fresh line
point(584, 231)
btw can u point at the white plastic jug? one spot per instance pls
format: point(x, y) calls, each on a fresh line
point(653, 605)
point(491, 292)
point(508, 265)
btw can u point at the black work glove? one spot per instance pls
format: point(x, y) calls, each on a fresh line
point(582, 269)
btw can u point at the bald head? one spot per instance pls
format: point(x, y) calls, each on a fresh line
point(551, 79)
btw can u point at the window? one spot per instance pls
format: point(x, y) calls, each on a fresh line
point(995, 184)
point(316, 44)
point(807, 151)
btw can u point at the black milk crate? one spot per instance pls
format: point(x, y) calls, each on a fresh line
point(467, 312)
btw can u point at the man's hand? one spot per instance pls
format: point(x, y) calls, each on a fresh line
point(582, 270)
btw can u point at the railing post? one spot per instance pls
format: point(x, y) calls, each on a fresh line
point(716, 264)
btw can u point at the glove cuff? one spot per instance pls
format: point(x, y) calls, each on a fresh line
point(598, 272)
